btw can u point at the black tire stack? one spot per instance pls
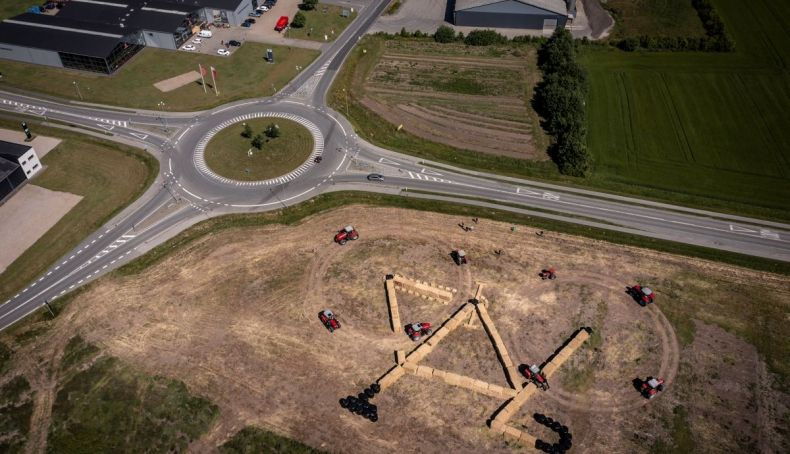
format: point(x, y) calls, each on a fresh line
point(566, 439)
point(361, 405)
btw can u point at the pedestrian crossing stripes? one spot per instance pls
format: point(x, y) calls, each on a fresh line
point(424, 177)
point(318, 149)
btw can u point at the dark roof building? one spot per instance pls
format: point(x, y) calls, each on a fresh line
point(101, 35)
point(527, 14)
point(12, 172)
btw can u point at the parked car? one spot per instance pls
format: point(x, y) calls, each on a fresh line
point(197, 41)
point(282, 22)
point(234, 43)
point(250, 20)
point(262, 9)
point(205, 33)
point(223, 52)
point(256, 14)
point(246, 25)
point(189, 47)
point(375, 177)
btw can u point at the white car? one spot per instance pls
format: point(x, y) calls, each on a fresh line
point(223, 52)
point(263, 8)
point(189, 47)
point(197, 41)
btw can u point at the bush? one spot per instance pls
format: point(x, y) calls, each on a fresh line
point(299, 20)
point(247, 133)
point(444, 34)
point(308, 5)
point(272, 131)
point(484, 38)
point(257, 141)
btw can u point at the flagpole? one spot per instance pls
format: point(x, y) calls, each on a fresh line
point(214, 79)
point(200, 67)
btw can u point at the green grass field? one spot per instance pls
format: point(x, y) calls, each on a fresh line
point(10, 8)
point(110, 407)
point(116, 176)
point(709, 125)
point(252, 440)
point(654, 18)
point(323, 20)
point(228, 152)
point(245, 74)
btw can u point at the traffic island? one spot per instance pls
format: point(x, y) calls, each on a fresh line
point(258, 149)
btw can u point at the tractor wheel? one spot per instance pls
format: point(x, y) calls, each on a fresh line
point(374, 418)
point(369, 393)
point(416, 337)
point(329, 327)
point(376, 388)
point(563, 430)
point(556, 426)
point(344, 402)
point(428, 332)
point(342, 242)
point(566, 444)
point(660, 387)
point(363, 397)
point(548, 421)
point(566, 436)
point(351, 400)
point(539, 444)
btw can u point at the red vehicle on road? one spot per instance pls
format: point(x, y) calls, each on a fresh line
point(282, 22)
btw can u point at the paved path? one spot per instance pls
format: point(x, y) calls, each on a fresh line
point(184, 193)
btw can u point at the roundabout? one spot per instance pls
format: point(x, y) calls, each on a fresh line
point(244, 173)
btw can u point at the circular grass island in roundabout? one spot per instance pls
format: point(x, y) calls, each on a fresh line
point(232, 155)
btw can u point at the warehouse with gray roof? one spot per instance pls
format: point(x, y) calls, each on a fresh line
point(101, 35)
point(527, 14)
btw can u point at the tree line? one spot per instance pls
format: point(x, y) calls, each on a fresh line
point(560, 100)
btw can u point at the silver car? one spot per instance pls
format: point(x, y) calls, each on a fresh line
point(375, 177)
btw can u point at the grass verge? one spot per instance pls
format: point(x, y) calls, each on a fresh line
point(253, 440)
point(233, 156)
point(324, 20)
point(116, 176)
point(245, 74)
point(680, 430)
point(16, 409)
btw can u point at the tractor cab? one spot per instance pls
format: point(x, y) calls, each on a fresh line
point(642, 295)
point(459, 257)
point(533, 374)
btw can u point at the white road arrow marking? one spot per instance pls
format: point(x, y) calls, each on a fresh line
point(139, 135)
point(769, 234)
point(431, 172)
point(526, 191)
point(107, 127)
point(735, 228)
point(550, 196)
point(387, 161)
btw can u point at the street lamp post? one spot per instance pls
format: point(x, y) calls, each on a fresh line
point(77, 87)
point(162, 109)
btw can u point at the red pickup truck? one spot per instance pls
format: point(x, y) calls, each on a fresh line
point(282, 22)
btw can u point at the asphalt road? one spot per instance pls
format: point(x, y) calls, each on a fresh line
point(186, 192)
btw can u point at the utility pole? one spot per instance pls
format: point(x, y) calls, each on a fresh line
point(77, 87)
point(46, 303)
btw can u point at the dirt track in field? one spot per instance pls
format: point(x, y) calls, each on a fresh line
point(235, 317)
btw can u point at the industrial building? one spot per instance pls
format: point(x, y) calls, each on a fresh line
point(18, 163)
point(100, 36)
point(527, 14)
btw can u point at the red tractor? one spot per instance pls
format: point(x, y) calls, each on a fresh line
point(550, 274)
point(329, 320)
point(347, 233)
point(416, 330)
point(642, 295)
point(533, 374)
point(651, 387)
